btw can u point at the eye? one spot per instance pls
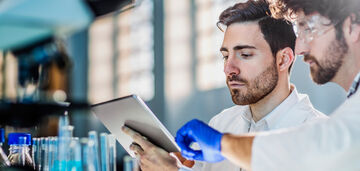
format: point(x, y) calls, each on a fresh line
point(244, 55)
point(225, 58)
point(307, 30)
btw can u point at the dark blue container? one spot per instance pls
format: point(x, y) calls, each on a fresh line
point(15, 139)
point(2, 135)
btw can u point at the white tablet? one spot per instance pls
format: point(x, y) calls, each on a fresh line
point(134, 113)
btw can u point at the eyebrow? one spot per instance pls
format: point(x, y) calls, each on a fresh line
point(239, 47)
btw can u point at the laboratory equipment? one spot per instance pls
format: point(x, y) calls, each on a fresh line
point(19, 152)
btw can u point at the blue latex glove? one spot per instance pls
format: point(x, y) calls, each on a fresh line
point(208, 138)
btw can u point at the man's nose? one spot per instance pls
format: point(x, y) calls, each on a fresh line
point(301, 47)
point(231, 67)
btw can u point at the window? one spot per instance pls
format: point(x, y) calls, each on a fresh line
point(192, 43)
point(178, 58)
point(209, 39)
point(121, 55)
point(9, 79)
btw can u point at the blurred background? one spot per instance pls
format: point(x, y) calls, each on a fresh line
point(165, 51)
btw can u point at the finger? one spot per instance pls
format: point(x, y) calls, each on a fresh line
point(187, 154)
point(189, 163)
point(178, 156)
point(131, 132)
point(183, 140)
point(183, 160)
point(192, 155)
point(137, 149)
point(128, 131)
point(198, 155)
point(138, 138)
point(137, 156)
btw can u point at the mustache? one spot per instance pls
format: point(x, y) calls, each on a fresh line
point(310, 57)
point(236, 78)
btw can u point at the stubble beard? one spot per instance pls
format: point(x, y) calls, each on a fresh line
point(256, 90)
point(326, 69)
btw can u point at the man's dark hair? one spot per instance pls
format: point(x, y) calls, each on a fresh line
point(336, 10)
point(278, 33)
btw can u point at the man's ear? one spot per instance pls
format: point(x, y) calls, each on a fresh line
point(285, 57)
point(351, 29)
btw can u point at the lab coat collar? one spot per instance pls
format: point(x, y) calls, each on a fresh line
point(281, 110)
point(354, 85)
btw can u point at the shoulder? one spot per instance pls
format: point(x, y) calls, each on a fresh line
point(304, 109)
point(300, 112)
point(315, 114)
point(350, 107)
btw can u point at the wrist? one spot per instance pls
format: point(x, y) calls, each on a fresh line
point(224, 144)
point(237, 149)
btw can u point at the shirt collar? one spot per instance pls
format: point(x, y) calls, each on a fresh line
point(354, 85)
point(271, 118)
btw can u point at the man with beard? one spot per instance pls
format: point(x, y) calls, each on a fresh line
point(328, 36)
point(258, 55)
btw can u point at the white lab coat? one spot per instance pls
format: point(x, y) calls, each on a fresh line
point(293, 111)
point(330, 145)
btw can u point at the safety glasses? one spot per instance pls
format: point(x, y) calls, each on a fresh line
point(310, 27)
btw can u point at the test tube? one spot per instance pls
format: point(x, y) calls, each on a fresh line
point(104, 149)
point(63, 121)
point(49, 153)
point(112, 152)
point(33, 150)
point(36, 153)
point(64, 142)
point(87, 155)
point(94, 149)
point(56, 155)
point(74, 162)
point(44, 153)
point(53, 154)
point(22, 161)
point(127, 163)
point(130, 164)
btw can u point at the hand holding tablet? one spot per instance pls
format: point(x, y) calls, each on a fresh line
point(134, 113)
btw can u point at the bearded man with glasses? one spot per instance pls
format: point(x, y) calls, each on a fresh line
point(328, 36)
point(312, 29)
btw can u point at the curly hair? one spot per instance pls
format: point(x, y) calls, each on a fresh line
point(336, 10)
